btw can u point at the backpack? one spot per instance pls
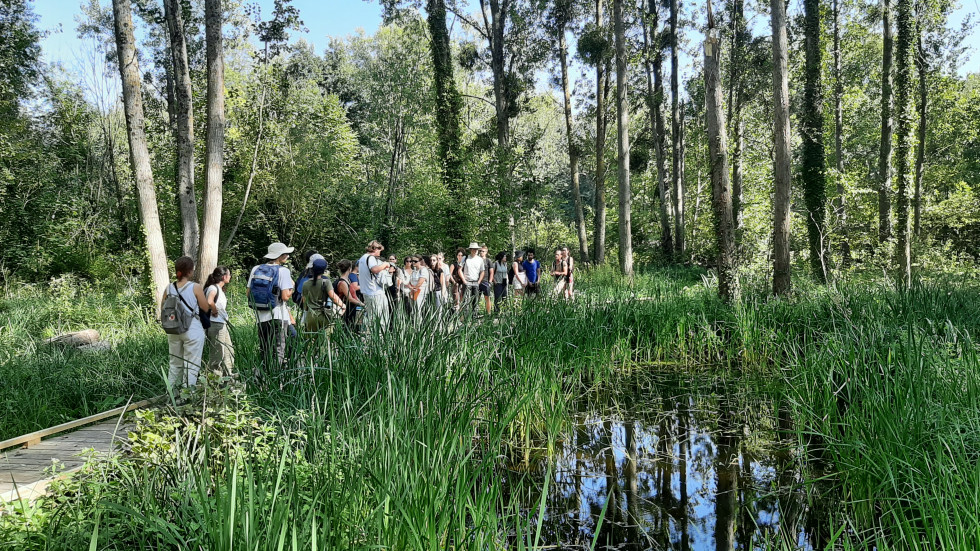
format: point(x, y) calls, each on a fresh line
point(174, 319)
point(263, 290)
point(298, 292)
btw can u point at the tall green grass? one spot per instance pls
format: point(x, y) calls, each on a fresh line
point(395, 443)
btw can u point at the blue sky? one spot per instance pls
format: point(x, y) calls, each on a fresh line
point(326, 18)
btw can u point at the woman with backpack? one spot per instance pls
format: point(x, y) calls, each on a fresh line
point(419, 284)
point(182, 307)
point(559, 269)
point(221, 352)
point(347, 294)
point(319, 299)
point(499, 275)
point(519, 277)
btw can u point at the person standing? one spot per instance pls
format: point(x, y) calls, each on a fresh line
point(559, 269)
point(447, 279)
point(346, 291)
point(459, 280)
point(419, 284)
point(377, 314)
point(473, 273)
point(270, 286)
point(404, 277)
point(221, 352)
point(520, 276)
point(486, 282)
point(570, 262)
point(318, 298)
point(533, 270)
point(499, 277)
point(185, 348)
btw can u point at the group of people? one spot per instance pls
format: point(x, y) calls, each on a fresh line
point(364, 294)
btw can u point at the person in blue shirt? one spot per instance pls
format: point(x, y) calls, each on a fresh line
point(533, 270)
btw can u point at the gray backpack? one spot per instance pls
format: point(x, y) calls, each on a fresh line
point(174, 319)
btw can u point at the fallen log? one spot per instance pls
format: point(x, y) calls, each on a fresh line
point(75, 339)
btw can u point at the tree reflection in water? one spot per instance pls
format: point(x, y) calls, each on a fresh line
point(682, 468)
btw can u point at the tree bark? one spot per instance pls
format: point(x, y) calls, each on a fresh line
point(885, 148)
point(903, 148)
point(735, 100)
point(676, 178)
point(499, 10)
point(623, 144)
point(811, 131)
point(655, 100)
point(214, 150)
point(449, 106)
point(840, 202)
point(184, 128)
point(573, 149)
point(721, 192)
point(601, 123)
point(138, 153)
point(920, 156)
point(781, 141)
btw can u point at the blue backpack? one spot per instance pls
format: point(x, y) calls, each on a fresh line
point(263, 290)
point(298, 291)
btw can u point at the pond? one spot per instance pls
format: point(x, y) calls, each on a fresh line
point(673, 464)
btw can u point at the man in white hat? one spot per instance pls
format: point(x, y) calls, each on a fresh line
point(473, 275)
point(270, 286)
point(377, 309)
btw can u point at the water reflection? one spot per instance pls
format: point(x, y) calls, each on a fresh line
point(676, 468)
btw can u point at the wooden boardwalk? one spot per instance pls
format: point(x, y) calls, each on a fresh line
point(25, 473)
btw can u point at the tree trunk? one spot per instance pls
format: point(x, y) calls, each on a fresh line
point(920, 156)
point(735, 99)
point(903, 148)
point(885, 148)
point(655, 92)
point(840, 201)
point(573, 149)
point(184, 128)
point(676, 177)
point(138, 152)
point(623, 144)
point(501, 95)
point(781, 141)
point(602, 89)
point(214, 151)
point(449, 105)
point(721, 193)
point(811, 132)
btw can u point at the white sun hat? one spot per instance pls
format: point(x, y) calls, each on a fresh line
point(314, 258)
point(278, 249)
point(474, 245)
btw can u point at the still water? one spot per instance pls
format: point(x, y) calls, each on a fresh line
point(676, 465)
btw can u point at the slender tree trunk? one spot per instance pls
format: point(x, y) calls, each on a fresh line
point(184, 128)
point(721, 192)
point(735, 98)
point(676, 176)
point(602, 89)
point(840, 201)
point(449, 106)
point(903, 148)
point(214, 151)
point(811, 131)
point(573, 149)
point(623, 144)
point(501, 95)
point(885, 150)
point(920, 156)
point(655, 105)
point(138, 152)
point(781, 164)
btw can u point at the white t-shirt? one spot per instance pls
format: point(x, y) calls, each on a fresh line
point(220, 302)
point(472, 268)
point(367, 280)
point(281, 311)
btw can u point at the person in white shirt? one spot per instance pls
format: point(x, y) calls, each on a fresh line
point(186, 348)
point(274, 323)
point(377, 309)
point(473, 275)
point(221, 352)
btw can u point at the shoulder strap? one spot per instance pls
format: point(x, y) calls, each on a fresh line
point(181, 297)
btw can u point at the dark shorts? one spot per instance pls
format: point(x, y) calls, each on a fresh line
point(485, 288)
point(532, 289)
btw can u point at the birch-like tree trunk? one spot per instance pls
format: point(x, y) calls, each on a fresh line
point(653, 59)
point(903, 146)
point(677, 178)
point(783, 156)
point(138, 153)
point(601, 124)
point(573, 149)
point(623, 143)
point(184, 127)
point(885, 146)
point(735, 100)
point(214, 150)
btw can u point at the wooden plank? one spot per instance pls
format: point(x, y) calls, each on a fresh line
point(34, 438)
